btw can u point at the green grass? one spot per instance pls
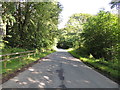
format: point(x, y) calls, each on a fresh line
point(16, 64)
point(109, 67)
point(12, 50)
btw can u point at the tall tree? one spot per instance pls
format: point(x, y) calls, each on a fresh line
point(100, 35)
point(31, 24)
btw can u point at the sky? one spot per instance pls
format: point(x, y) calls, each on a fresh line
point(81, 6)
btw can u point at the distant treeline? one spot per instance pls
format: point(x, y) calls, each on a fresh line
point(97, 35)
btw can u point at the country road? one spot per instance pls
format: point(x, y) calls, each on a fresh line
point(60, 70)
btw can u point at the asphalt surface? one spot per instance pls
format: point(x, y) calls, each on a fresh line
point(60, 70)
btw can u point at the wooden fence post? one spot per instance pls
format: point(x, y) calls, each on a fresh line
point(5, 64)
point(8, 58)
point(28, 55)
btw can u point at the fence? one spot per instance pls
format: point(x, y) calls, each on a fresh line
point(17, 53)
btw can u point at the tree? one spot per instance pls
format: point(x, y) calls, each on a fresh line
point(31, 24)
point(115, 3)
point(100, 35)
point(71, 33)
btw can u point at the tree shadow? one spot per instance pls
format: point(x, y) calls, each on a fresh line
point(45, 74)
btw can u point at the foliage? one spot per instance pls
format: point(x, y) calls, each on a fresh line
point(82, 51)
point(8, 50)
point(70, 35)
point(100, 35)
point(96, 35)
point(17, 64)
point(30, 25)
point(115, 3)
point(110, 67)
point(96, 41)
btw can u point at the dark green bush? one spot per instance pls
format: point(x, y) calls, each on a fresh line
point(83, 51)
point(65, 44)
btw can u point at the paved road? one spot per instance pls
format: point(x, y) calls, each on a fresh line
point(60, 70)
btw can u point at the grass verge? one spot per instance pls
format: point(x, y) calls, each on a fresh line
point(109, 69)
point(16, 65)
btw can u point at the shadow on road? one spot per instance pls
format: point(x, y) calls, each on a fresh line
point(60, 70)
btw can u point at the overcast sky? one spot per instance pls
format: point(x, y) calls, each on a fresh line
point(81, 6)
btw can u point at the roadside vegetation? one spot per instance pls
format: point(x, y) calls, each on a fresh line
point(18, 63)
point(109, 68)
point(27, 26)
point(95, 41)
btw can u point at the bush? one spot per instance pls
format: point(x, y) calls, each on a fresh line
point(100, 35)
point(109, 67)
point(82, 51)
point(65, 44)
point(12, 50)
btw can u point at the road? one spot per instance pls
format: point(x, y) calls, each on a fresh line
point(60, 70)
